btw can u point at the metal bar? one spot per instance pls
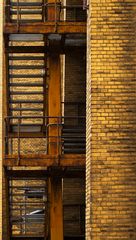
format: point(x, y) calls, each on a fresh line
point(18, 141)
point(45, 104)
point(18, 15)
point(7, 11)
point(55, 15)
point(6, 137)
point(43, 10)
point(47, 117)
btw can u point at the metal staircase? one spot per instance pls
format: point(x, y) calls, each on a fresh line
point(24, 11)
point(74, 139)
point(27, 82)
point(33, 138)
point(21, 11)
point(28, 208)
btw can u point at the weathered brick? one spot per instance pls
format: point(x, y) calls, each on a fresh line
point(111, 147)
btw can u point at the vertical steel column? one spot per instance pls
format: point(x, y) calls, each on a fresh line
point(54, 103)
point(55, 181)
point(56, 207)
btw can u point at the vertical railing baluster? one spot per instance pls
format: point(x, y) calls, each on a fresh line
point(6, 137)
point(7, 11)
point(43, 10)
point(55, 15)
point(58, 140)
point(46, 132)
point(18, 141)
point(61, 136)
point(17, 13)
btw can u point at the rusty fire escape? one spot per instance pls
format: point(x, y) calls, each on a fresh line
point(43, 144)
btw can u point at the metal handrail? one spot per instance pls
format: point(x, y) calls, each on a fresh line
point(51, 123)
point(45, 117)
point(58, 7)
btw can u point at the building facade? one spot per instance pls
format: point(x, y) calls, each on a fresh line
point(110, 81)
point(111, 151)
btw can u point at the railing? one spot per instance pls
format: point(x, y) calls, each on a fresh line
point(28, 205)
point(28, 135)
point(41, 11)
point(29, 209)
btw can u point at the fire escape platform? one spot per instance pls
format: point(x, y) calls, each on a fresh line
point(46, 27)
point(70, 172)
point(65, 160)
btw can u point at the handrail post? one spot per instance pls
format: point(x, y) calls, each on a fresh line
point(55, 15)
point(18, 141)
point(7, 11)
point(53, 11)
point(43, 11)
point(6, 137)
point(18, 15)
point(58, 142)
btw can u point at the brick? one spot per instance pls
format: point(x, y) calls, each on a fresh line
point(111, 148)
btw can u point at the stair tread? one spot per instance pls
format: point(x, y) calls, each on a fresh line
point(25, 101)
point(26, 109)
point(26, 75)
point(26, 93)
point(27, 124)
point(72, 140)
point(25, 12)
point(78, 151)
point(31, 4)
point(27, 21)
point(74, 144)
point(26, 84)
point(26, 58)
point(68, 135)
point(19, 67)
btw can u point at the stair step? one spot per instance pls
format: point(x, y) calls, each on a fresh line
point(25, 12)
point(27, 238)
point(74, 140)
point(76, 126)
point(80, 135)
point(26, 93)
point(19, 67)
point(78, 151)
point(72, 145)
point(73, 131)
point(27, 109)
point(75, 135)
point(29, 128)
point(26, 76)
point(27, 84)
point(26, 125)
point(25, 101)
point(26, 37)
point(26, 4)
point(20, 58)
point(27, 21)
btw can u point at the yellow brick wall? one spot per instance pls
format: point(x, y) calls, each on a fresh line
point(75, 83)
point(1, 120)
point(111, 120)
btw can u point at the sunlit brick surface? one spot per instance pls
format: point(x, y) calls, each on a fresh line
point(111, 121)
